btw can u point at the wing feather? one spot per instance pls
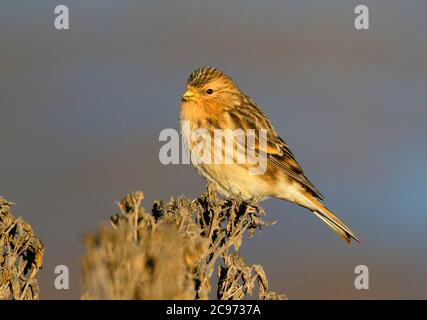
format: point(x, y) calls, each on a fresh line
point(279, 155)
point(284, 160)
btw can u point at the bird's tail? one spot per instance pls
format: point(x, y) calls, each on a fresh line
point(330, 219)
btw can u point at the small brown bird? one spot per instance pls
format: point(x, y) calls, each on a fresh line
point(212, 101)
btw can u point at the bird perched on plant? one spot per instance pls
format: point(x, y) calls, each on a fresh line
point(212, 101)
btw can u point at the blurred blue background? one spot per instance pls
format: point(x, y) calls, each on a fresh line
point(81, 111)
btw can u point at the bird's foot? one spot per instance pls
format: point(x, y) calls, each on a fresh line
point(212, 189)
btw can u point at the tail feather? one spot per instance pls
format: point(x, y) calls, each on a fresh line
point(331, 220)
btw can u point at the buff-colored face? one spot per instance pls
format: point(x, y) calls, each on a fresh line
point(208, 86)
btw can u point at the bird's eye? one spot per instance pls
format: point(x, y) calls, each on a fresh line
point(209, 91)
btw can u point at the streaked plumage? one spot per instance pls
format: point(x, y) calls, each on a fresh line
point(212, 100)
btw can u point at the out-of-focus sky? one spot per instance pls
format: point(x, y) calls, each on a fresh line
point(81, 111)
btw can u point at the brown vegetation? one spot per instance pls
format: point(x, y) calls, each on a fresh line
point(172, 251)
point(21, 256)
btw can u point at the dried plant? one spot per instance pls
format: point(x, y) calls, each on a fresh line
point(137, 258)
point(171, 252)
point(21, 256)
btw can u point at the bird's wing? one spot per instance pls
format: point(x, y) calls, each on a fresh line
point(279, 155)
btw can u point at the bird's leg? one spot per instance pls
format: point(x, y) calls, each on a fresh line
point(212, 189)
point(253, 204)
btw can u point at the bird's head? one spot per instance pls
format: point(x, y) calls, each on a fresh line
point(210, 86)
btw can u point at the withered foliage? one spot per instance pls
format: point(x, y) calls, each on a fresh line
point(21, 255)
point(172, 251)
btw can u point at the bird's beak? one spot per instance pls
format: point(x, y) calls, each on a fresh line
point(189, 96)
